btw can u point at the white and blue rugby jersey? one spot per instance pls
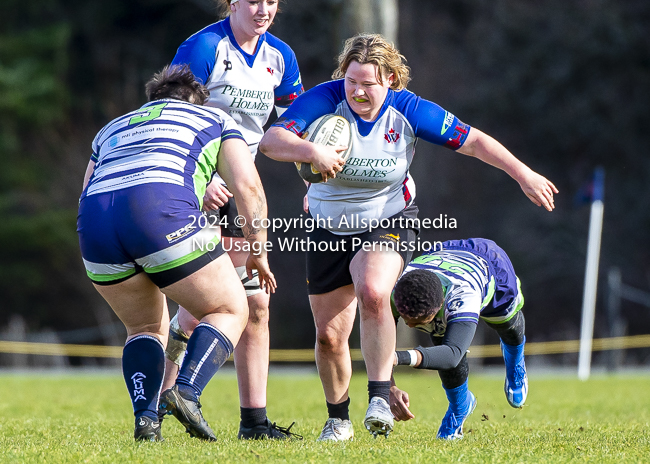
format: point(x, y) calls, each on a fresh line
point(375, 183)
point(165, 141)
point(243, 85)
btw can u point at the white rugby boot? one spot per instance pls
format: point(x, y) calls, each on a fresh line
point(379, 419)
point(337, 430)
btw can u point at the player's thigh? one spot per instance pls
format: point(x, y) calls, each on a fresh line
point(235, 247)
point(374, 274)
point(213, 289)
point(334, 312)
point(139, 304)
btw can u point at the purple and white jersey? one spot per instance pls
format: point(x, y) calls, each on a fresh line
point(243, 85)
point(165, 141)
point(478, 280)
point(375, 183)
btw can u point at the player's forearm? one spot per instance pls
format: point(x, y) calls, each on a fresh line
point(434, 357)
point(282, 145)
point(252, 206)
point(485, 148)
point(89, 172)
point(447, 355)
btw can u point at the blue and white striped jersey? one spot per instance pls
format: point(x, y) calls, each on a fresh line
point(375, 183)
point(467, 279)
point(165, 141)
point(243, 85)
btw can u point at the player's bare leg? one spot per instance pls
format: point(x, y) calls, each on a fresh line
point(374, 274)
point(334, 314)
point(252, 354)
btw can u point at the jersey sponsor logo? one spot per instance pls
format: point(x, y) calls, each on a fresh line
point(351, 168)
point(270, 71)
point(180, 233)
point(447, 122)
point(391, 136)
point(113, 141)
point(458, 137)
point(247, 99)
point(228, 65)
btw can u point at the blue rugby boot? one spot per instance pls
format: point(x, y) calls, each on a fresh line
point(516, 385)
point(462, 403)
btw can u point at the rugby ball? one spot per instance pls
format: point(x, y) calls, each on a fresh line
point(330, 130)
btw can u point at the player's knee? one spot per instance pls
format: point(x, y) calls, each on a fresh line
point(371, 300)
point(258, 312)
point(331, 341)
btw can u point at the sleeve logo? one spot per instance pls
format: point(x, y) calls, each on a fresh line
point(448, 121)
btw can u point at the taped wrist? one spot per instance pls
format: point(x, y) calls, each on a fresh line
point(406, 358)
point(177, 342)
point(427, 362)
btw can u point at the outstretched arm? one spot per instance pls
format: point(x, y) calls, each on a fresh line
point(455, 343)
point(538, 188)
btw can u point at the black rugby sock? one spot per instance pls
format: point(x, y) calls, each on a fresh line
point(340, 410)
point(378, 388)
point(250, 417)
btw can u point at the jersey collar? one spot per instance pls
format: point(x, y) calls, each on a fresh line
point(250, 59)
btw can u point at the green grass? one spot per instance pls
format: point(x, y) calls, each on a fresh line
point(88, 418)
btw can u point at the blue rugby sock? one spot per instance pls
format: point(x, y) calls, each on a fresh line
point(143, 366)
point(207, 350)
point(459, 399)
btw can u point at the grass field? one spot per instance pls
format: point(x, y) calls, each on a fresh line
point(88, 418)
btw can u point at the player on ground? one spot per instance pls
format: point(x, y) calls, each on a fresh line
point(444, 293)
point(140, 210)
point(247, 71)
point(375, 183)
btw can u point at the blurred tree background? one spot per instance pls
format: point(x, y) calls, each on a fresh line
point(564, 85)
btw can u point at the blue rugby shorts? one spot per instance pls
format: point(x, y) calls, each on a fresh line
point(156, 228)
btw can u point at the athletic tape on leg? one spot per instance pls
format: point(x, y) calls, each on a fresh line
point(177, 342)
point(252, 286)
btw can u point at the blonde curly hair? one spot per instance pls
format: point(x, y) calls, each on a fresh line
point(374, 49)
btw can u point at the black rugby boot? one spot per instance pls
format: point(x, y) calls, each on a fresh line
point(187, 412)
